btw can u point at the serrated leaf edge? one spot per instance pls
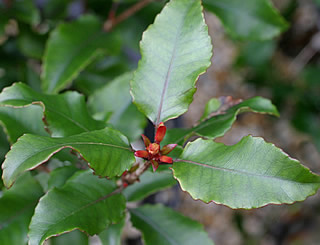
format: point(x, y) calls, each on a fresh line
point(248, 208)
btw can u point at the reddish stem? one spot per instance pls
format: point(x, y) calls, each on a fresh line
point(112, 22)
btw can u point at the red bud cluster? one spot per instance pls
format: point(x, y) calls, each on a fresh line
point(153, 153)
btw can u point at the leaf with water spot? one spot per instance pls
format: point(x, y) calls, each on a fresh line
point(175, 50)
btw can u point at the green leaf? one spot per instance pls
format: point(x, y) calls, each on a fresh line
point(23, 10)
point(112, 235)
point(107, 151)
point(176, 136)
point(248, 19)
point(70, 48)
point(59, 176)
point(247, 175)
point(64, 114)
point(212, 106)
point(31, 44)
point(175, 50)
point(74, 237)
point(18, 121)
point(17, 206)
point(149, 184)
point(163, 226)
point(113, 103)
point(86, 202)
point(4, 147)
point(219, 124)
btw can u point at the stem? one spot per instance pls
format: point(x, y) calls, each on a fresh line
point(131, 178)
point(43, 169)
point(112, 22)
point(112, 12)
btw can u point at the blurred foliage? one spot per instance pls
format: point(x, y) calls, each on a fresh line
point(275, 65)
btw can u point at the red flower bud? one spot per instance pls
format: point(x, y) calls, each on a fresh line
point(142, 154)
point(145, 140)
point(167, 149)
point(166, 159)
point(161, 131)
point(155, 165)
point(154, 148)
point(125, 184)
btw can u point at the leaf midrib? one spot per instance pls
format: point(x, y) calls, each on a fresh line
point(92, 203)
point(242, 172)
point(54, 84)
point(168, 75)
point(60, 146)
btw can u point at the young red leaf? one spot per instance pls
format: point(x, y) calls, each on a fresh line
point(166, 159)
point(155, 165)
point(167, 149)
point(161, 131)
point(142, 154)
point(146, 140)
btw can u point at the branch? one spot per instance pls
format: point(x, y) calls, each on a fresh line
point(131, 178)
point(113, 21)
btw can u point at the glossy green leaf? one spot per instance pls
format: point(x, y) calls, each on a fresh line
point(113, 103)
point(70, 48)
point(17, 206)
point(219, 124)
point(107, 151)
point(248, 19)
point(247, 175)
point(163, 226)
point(64, 114)
point(175, 50)
point(149, 184)
point(112, 235)
point(18, 121)
point(85, 202)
